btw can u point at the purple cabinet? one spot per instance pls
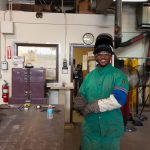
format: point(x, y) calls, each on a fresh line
point(19, 82)
point(28, 84)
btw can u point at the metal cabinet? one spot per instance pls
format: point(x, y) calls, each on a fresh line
point(28, 84)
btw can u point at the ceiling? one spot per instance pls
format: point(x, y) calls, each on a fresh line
point(65, 2)
point(101, 6)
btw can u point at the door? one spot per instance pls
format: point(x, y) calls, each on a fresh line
point(78, 56)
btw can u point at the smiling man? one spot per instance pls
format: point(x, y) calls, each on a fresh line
point(102, 93)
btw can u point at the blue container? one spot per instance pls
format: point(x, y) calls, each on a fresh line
point(50, 113)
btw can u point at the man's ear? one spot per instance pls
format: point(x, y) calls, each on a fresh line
point(111, 59)
point(95, 58)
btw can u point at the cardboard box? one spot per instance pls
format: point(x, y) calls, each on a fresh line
point(84, 6)
point(31, 7)
point(42, 8)
point(22, 7)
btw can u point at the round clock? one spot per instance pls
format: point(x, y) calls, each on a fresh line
point(88, 38)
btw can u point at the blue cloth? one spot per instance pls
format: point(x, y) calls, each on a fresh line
point(120, 96)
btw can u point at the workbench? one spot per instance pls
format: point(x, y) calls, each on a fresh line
point(31, 130)
point(62, 97)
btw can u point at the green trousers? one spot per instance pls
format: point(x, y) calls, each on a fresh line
point(105, 143)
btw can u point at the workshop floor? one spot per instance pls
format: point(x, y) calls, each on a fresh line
point(137, 140)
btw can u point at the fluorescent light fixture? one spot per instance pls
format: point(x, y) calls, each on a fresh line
point(133, 0)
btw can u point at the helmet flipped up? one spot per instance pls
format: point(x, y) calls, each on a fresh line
point(104, 42)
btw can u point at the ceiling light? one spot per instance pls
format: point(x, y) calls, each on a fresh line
point(133, 0)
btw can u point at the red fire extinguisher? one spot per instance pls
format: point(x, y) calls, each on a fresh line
point(9, 52)
point(5, 92)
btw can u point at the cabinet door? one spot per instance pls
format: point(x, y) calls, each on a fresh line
point(37, 75)
point(37, 90)
point(19, 82)
point(37, 82)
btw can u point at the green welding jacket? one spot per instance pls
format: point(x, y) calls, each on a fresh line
point(103, 130)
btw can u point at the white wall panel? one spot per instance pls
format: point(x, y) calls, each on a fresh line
point(3, 4)
point(51, 29)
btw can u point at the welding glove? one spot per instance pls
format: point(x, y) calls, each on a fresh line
point(79, 104)
point(91, 108)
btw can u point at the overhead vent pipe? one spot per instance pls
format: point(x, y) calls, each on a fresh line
point(135, 39)
point(118, 28)
point(118, 23)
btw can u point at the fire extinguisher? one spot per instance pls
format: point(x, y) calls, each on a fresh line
point(9, 52)
point(5, 92)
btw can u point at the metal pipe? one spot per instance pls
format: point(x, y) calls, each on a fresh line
point(118, 28)
point(135, 39)
point(148, 55)
point(62, 4)
point(136, 57)
point(118, 23)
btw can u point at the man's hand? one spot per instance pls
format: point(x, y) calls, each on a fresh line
point(79, 103)
point(91, 108)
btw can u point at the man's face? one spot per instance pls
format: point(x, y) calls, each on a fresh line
point(103, 58)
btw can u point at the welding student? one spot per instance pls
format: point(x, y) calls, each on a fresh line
point(102, 93)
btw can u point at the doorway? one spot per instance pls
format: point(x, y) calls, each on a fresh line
point(79, 54)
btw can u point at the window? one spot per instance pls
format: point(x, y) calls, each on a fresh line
point(40, 55)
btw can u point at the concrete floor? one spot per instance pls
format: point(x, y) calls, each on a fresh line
point(137, 140)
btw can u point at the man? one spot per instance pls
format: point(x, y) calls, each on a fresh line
point(102, 94)
point(77, 78)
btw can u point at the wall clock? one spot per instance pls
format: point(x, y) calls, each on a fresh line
point(88, 38)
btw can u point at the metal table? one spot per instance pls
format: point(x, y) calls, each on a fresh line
point(31, 130)
point(62, 97)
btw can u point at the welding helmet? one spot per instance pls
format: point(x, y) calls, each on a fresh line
point(104, 42)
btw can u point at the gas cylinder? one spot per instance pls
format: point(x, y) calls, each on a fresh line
point(5, 92)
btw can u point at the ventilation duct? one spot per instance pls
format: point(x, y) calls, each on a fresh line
point(135, 39)
point(118, 23)
point(143, 16)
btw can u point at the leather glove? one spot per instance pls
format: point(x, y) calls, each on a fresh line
point(79, 103)
point(91, 108)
